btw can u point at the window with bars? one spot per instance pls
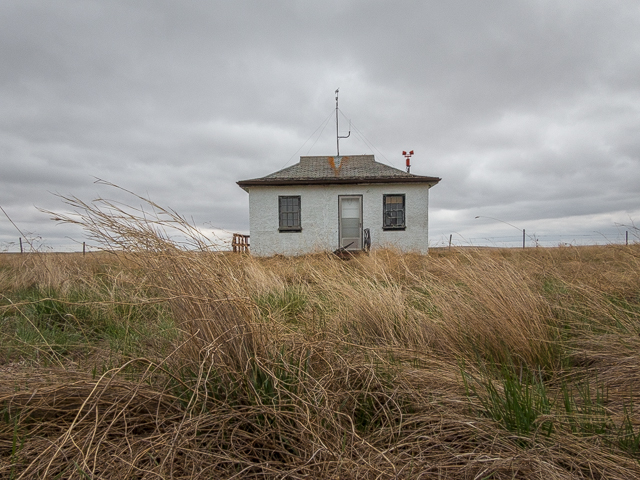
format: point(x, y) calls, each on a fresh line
point(289, 213)
point(393, 212)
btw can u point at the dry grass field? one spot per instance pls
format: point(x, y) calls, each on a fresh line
point(162, 360)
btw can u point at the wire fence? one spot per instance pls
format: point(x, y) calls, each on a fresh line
point(526, 240)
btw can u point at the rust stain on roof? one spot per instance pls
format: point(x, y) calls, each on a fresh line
point(332, 164)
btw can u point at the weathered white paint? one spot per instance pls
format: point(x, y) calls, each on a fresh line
point(319, 218)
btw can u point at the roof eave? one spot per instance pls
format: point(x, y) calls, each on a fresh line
point(431, 181)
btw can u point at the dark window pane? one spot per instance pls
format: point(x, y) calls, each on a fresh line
point(289, 212)
point(393, 209)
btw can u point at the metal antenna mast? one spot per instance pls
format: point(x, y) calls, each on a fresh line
point(338, 137)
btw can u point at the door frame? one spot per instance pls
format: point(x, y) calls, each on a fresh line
point(340, 198)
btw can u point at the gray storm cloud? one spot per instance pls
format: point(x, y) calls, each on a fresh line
point(528, 111)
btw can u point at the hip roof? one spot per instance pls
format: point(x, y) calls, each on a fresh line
point(338, 170)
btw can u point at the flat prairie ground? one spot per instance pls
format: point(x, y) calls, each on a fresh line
point(161, 362)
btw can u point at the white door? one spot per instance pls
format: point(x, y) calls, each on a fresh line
point(350, 222)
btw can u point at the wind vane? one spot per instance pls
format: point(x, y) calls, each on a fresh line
point(408, 158)
point(338, 137)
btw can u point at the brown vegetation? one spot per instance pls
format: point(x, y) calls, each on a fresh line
point(163, 361)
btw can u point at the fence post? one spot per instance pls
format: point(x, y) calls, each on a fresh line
point(523, 238)
point(450, 236)
point(21, 250)
point(83, 248)
point(626, 237)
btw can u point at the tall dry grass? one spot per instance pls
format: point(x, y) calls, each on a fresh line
point(461, 364)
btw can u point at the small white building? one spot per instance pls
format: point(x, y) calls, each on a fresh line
point(327, 203)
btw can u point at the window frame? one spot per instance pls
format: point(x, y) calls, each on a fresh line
point(285, 228)
point(403, 226)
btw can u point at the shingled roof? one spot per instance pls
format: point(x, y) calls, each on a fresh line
point(350, 169)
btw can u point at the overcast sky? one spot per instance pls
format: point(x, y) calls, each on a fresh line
point(528, 111)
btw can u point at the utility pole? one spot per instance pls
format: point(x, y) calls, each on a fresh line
point(338, 137)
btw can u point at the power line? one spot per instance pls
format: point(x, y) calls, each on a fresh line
point(323, 125)
point(326, 122)
point(367, 142)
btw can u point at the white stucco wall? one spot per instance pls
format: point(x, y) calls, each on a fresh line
point(319, 218)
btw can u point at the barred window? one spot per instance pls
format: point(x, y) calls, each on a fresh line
point(289, 213)
point(393, 212)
